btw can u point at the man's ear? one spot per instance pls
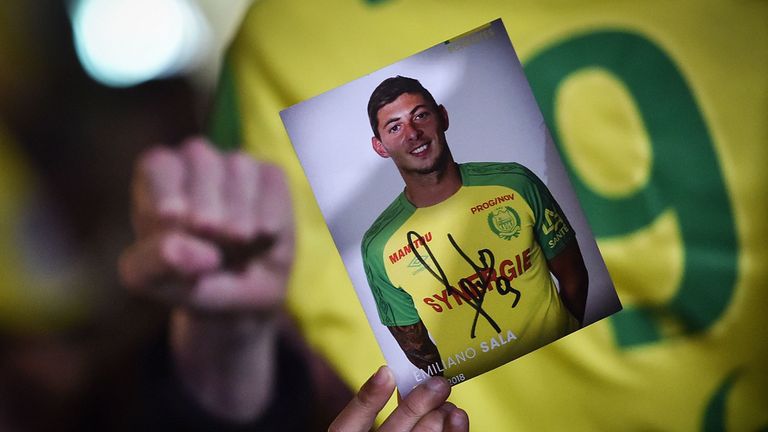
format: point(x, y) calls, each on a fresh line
point(444, 116)
point(379, 148)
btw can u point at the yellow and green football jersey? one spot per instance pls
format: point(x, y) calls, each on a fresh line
point(473, 268)
point(658, 109)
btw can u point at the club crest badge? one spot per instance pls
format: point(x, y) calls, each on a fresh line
point(504, 222)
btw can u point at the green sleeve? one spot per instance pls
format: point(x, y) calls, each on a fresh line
point(394, 304)
point(551, 227)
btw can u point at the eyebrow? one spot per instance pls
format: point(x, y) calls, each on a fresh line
point(394, 119)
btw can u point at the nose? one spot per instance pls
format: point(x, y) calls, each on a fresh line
point(412, 131)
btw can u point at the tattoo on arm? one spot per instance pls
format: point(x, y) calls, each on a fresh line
point(570, 271)
point(415, 342)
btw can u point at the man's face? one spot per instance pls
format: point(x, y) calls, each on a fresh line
point(412, 134)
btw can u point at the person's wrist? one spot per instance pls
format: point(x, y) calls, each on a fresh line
point(235, 324)
point(226, 362)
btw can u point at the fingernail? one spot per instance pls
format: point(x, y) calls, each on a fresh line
point(458, 418)
point(380, 377)
point(436, 384)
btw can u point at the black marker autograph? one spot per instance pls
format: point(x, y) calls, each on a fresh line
point(484, 272)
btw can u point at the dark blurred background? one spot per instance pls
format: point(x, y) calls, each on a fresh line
point(67, 141)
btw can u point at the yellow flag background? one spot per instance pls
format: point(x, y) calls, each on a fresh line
point(661, 112)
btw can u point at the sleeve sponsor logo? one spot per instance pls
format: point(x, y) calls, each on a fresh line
point(553, 223)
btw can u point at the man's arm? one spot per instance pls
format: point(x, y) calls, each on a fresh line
point(416, 344)
point(568, 267)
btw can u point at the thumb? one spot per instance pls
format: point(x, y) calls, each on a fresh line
point(360, 413)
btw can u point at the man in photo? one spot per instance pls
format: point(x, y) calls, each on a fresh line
point(461, 263)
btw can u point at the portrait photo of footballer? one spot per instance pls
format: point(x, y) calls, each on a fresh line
point(465, 248)
point(451, 209)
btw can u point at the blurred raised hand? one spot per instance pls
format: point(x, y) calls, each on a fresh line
point(214, 240)
point(214, 231)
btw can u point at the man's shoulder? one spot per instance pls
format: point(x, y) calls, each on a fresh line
point(387, 223)
point(509, 174)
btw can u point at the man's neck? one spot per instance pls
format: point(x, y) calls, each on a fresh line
point(424, 190)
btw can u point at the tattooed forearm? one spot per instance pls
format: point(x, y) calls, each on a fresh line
point(415, 342)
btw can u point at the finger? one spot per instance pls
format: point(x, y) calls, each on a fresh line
point(219, 291)
point(433, 421)
point(423, 399)
point(158, 190)
point(240, 194)
point(266, 279)
point(273, 205)
point(457, 421)
point(261, 286)
point(204, 186)
point(269, 272)
point(166, 257)
point(360, 413)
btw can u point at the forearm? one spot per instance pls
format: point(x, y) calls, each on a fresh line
point(574, 295)
point(418, 347)
point(226, 362)
point(573, 279)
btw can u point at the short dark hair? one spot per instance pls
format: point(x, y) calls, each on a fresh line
point(391, 89)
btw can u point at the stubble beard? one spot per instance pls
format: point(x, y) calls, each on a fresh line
point(440, 164)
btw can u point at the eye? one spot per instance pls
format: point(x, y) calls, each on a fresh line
point(421, 115)
point(395, 128)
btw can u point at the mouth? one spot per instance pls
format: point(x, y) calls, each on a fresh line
point(420, 149)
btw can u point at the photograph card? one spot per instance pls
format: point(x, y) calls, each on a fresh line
point(451, 209)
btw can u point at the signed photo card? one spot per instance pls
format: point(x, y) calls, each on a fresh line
point(451, 209)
